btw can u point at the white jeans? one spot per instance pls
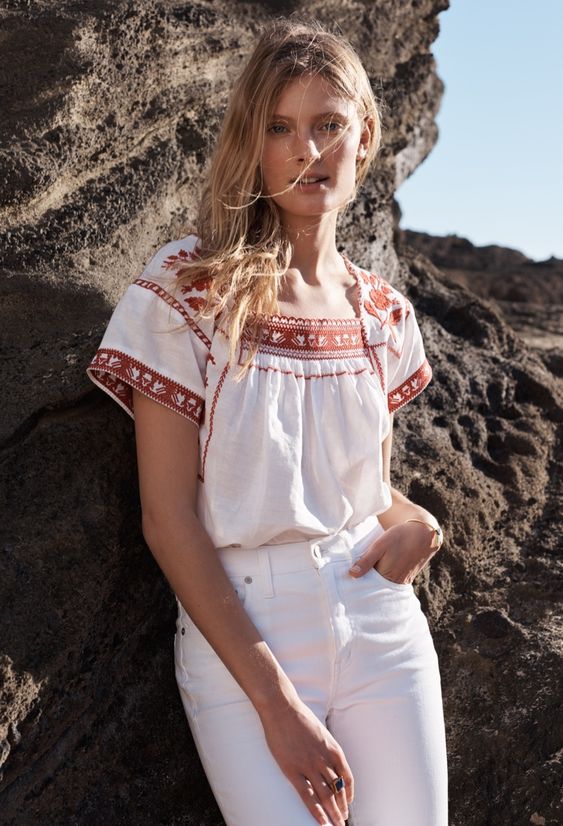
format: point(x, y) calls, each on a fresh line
point(360, 654)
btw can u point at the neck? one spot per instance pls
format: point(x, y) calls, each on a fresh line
point(314, 254)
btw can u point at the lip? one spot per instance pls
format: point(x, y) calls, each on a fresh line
point(322, 178)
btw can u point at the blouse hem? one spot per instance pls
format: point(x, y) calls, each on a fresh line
point(410, 388)
point(116, 373)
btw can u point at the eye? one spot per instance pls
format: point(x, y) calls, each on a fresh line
point(333, 123)
point(274, 127)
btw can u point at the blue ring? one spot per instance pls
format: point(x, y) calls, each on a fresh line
point(338, 784)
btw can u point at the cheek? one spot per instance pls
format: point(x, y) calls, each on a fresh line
point(272, 166)
point(345, 150)
point(343, 161)
point(274, 156)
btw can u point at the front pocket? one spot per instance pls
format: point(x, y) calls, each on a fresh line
point(390, 584)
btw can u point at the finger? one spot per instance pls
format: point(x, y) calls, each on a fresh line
point(347, 776)
point(340, 795)
point(368, 558)
point(363, 564)
point(328, 799)
point(311, 800)
point(346, 773)
point(343, 803)
point(340, 768)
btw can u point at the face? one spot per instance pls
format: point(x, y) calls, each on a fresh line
point(312, 127)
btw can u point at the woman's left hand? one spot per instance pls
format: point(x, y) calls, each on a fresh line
point(398, 554)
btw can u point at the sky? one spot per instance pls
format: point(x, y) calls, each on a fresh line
point(495, 176)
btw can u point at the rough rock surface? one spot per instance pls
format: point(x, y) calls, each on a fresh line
point(109, 109)
point(528, 293)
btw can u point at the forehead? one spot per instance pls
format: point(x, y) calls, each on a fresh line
point(308, 92)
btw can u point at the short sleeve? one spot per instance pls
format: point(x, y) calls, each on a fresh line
point(408, 370)
point(152, 342)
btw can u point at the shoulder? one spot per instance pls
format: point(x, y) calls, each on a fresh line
point(173, 254)
point(161, 276)
point(383, 301)
point(154, 342)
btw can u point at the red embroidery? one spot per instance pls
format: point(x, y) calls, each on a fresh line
point(334, 373)
point(396, 315)
point(309, 337)
point(201, 476)
point(359, 274)
point(378, 299)
point(177, 305)
point(117, 373)
point(195, 303)
point(375, 359)
point(410, 388)
point(172, 261)
point(296, 337)
point(383, 302)
point(201, 284)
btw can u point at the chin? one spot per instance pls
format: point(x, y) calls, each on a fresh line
point(314, 212)
point(312, 206)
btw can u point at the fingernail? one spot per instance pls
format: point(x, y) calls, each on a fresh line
point(355, 569)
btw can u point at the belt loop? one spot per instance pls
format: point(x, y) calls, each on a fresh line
point(265, 569)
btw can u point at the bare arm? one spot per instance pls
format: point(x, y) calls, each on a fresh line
point(168, 456)
point(168, 459)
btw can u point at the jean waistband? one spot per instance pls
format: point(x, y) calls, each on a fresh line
point(266, 560)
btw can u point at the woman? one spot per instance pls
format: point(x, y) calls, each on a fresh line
point(304, 661)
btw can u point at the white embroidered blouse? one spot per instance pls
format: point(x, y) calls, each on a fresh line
point(294, 450)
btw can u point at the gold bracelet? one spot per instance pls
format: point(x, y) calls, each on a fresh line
point(438, 537)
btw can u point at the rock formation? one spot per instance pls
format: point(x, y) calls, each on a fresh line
point(109, 111)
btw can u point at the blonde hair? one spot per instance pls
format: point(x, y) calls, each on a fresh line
point(243, 250)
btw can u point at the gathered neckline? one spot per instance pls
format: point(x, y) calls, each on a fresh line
point(355, 321)
point(339, 322)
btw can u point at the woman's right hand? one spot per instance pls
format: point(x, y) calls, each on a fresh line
point(310, 758)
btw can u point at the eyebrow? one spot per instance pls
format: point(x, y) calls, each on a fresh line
point(321, 115)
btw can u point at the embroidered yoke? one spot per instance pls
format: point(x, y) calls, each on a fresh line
point(293, 451)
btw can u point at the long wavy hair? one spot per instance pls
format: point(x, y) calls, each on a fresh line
point(243, 250)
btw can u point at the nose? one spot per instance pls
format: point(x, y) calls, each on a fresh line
point(307, 150)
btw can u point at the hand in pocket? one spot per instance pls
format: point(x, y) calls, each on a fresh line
point(398, 554)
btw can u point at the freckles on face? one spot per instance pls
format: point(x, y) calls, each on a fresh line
point(315, 132)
